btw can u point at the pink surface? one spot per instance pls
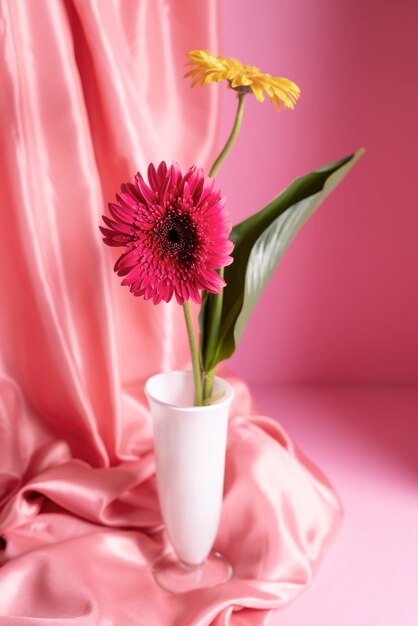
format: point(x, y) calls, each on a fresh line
point(366, 439)
point(343, 306)
point(79, 518)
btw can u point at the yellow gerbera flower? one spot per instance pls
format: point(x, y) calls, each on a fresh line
point(207, 68)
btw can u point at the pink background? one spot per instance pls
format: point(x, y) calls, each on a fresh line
point(341, 312)
point(343, 305)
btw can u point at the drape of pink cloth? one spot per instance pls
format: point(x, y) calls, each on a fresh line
point(90, 92)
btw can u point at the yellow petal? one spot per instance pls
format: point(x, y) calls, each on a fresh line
point(258, 91)
point(208, 68)
point(240, 81)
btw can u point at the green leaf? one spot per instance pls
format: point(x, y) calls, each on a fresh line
point(260, 242)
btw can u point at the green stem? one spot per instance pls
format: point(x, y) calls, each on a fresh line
point(232, 136)
point(214, 398)
point(198, 398)
point(215, 313)
point(208, 385)
point(215, 316)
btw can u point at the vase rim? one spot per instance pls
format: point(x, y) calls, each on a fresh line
point(227, 398)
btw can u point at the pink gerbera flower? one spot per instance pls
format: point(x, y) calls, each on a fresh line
point(175, 233)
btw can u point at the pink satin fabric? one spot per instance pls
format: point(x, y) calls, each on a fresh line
point(90, 92)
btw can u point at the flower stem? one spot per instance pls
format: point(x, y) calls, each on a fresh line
point(208, 386)
point(215, 398)
point(232, 136)
point(216, 303)
point(198, 399)
point(215, 316)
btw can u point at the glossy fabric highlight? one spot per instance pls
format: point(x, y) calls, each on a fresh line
point(90, 92)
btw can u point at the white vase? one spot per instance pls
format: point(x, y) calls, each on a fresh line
point(190, 445)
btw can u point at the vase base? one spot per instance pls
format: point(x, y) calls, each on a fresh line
point(176, 577)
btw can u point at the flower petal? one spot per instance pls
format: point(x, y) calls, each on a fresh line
point(207, 68)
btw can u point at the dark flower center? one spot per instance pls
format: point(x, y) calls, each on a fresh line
point(177, 236)
point(173, 236)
